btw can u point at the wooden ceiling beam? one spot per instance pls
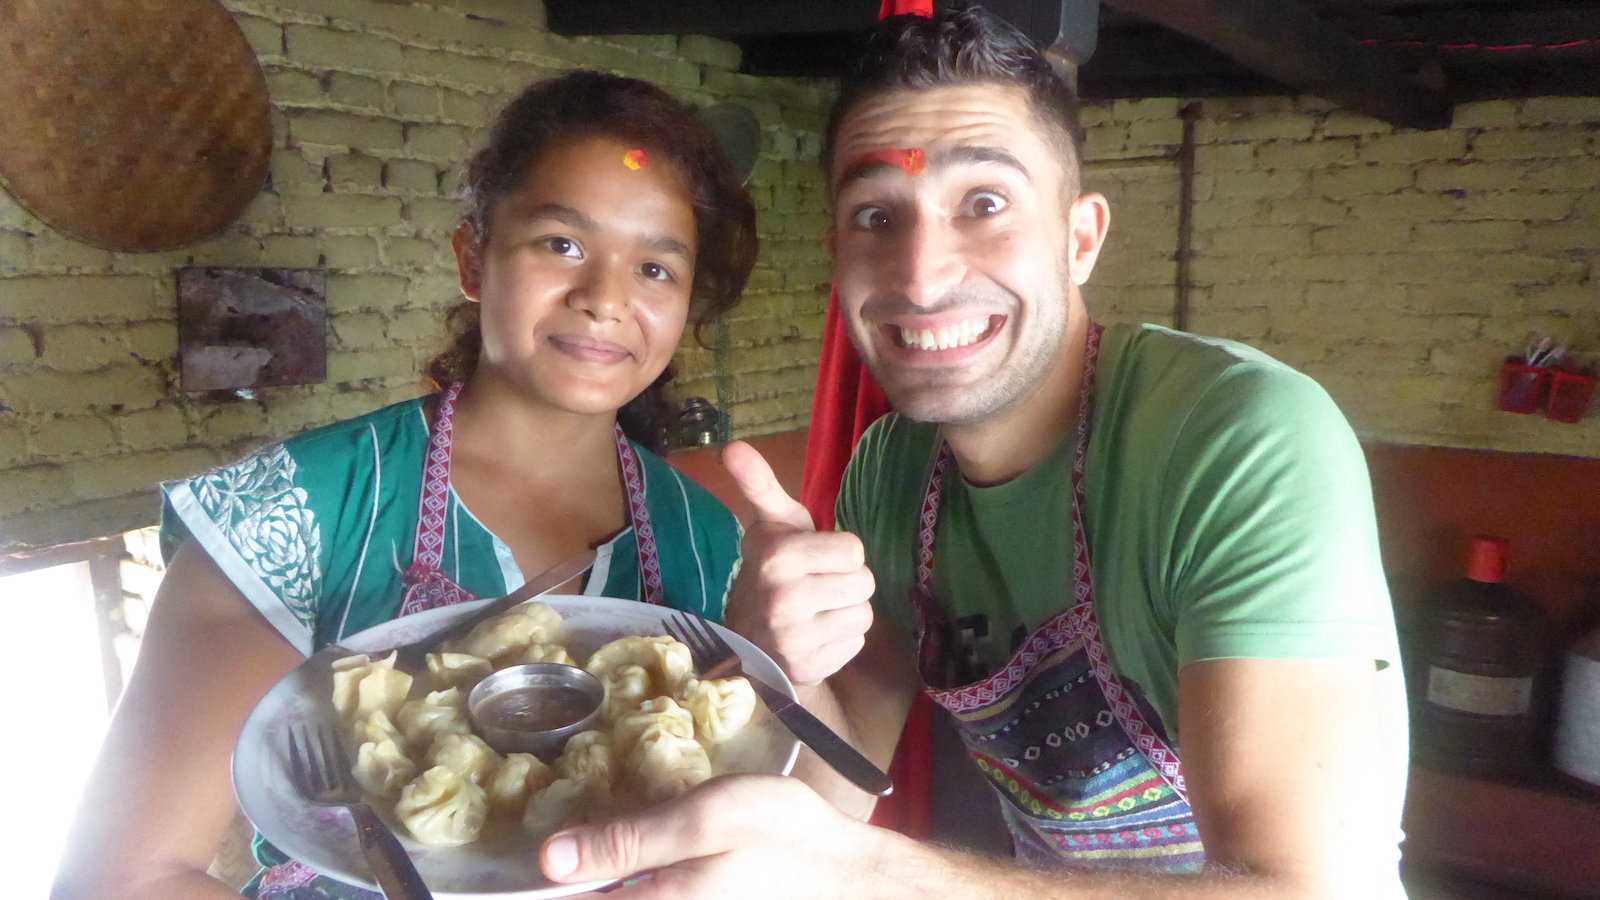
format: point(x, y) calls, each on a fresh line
point(1068, 25)
point(718, 18)
point(1285, 41)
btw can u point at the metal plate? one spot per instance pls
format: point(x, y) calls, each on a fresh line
point(503, 864)
point(132, 125)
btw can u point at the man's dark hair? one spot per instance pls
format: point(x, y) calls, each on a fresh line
point(960, 45)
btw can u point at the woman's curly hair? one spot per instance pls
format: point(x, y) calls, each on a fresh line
point(585, 104)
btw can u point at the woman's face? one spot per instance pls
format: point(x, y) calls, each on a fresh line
point(586, 275)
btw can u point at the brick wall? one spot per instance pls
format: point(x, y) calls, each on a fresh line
point(1396, 267)
point(375, 106)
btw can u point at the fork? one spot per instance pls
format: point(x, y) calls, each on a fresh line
point(713, 658)
point(321, 769)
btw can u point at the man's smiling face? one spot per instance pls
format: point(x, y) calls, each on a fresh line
point(950, 240)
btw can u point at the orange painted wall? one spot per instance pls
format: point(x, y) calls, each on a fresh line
point(1430, 500)
point(785, 451)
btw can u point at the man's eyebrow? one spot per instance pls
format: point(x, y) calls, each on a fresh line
point(872, 164)
point(977, 154)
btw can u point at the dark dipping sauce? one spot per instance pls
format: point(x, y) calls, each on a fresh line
point(536, 708)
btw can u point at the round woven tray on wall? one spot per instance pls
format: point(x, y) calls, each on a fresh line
point(130, 124)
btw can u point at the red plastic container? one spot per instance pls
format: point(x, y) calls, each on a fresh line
point(1570, 393)
point(1523, 388)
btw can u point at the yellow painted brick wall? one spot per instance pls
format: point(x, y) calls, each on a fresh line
point(1396, 267)
point(375, 106)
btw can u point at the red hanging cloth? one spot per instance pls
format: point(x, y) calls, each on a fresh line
point(846, 401)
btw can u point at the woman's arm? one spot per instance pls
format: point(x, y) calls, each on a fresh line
point(160, 796)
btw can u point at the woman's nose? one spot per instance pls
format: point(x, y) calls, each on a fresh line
point(600, 292)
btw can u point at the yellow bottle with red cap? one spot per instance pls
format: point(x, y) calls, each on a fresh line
point(1479, 704)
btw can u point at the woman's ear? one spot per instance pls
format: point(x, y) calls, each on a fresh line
point(469, 259)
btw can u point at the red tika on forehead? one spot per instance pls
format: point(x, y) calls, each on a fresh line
point(635, 159)
point(911, 159)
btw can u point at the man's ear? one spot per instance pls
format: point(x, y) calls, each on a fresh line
point(1088, 219)
point(469, 259)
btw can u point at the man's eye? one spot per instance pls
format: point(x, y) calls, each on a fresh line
point(870, 218)
point(655, 272)
point(985, 203)
point(564, 247)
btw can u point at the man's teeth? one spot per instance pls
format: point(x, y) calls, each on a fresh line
point(947, 337)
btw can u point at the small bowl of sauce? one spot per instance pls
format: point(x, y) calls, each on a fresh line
point(535, 707)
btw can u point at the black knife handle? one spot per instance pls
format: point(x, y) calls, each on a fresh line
point(824, 741)
point(391, 866)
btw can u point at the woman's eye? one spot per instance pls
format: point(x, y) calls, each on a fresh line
point(564, 247)
point(985, 203)
point(870, 218)
point(655, 272)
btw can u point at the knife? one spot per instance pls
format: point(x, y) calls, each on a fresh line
point(411, 654)
point(823, 741)
point(392, 869)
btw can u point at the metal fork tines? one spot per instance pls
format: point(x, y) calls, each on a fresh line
point(321, 770)
point(714, 658)
point(321, 767)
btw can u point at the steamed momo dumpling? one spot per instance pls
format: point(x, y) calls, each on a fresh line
point(626, 687)
point(462, 670)
point(566, 801)
point(440, 712)
point(721, 707)
point(378, 728)
point(662, 765)
point(442, 808)
point(362, 686)
point(519, 775)
point(661, 714)
point(465, 754)
point(666, 659)
point(503, 637)
point(382, 768)
point(550, 653)
point(546, 621)
point(587, 757)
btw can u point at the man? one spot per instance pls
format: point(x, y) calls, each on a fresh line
point(1139, 568)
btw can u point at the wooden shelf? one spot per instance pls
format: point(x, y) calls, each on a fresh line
point(1538, 834)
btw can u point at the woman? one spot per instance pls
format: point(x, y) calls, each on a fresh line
point(599, 208)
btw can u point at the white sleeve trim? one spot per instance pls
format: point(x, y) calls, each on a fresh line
point(217, 546)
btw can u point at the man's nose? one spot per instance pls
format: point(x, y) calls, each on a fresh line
point(931, 262)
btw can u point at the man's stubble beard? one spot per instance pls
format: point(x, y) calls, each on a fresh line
point(1030, 361)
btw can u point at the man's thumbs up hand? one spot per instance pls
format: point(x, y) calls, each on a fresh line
point(802, 595)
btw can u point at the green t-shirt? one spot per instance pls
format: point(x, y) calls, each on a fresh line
point(1229, 515)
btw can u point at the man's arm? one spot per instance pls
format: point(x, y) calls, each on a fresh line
point(1276, 753)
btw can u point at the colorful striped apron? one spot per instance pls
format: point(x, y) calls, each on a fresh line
point(1085, 779)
